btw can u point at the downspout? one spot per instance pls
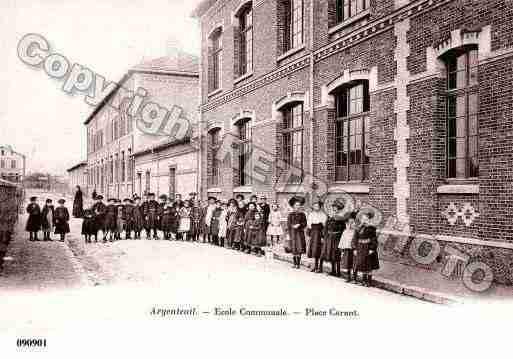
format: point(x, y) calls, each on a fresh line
point(199, 157)
point(311, 94)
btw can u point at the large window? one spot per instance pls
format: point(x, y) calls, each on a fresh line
point(215, 60)
point(244, 131)
point(352, 133)
point(246, 40)
point(293, 24)
point(462, 113)
point(123, 167)
point(293, 137)
point(13, 163)
point(214, 144)
point(349, 8)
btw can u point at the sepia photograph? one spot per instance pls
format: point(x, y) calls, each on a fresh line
point(256, 178)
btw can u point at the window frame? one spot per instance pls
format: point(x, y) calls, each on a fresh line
point(453, 94)
point(214, 146)
point(246, 35)
point(244, 135)
point(216, 50)
point(343, 7)
point(288, 130)
point(344, 118)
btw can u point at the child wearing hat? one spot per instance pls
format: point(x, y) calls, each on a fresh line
point(346, 246)
point(215, 223)
point(152, 213)
point(209, 212)
point(128, 217)
point(237, 227)
point(47, 219)
point(138, 218)
point(296, 224)
point(99, 209)
point(256, 234)
point(274, 231)
point(333, 231)
point(249, 217)
point(196, 215)
point(61, 220)
point(223, 223)
point(110, 220)
point(120, 221)
point(366, 244)
point(88, 226)
point(34, 220)
point(169, 220)
point(185, 221)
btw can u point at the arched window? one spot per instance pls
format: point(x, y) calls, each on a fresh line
point(214, 142)
point(292, 132)
point(352, 132)
point(462, 104)
point(244, 150)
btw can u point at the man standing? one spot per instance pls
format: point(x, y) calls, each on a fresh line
point(162, 205)
point(178, 201)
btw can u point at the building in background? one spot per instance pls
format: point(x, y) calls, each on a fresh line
point(403, 105)
point(77, 176)
point(12, 164)
point(122, 159)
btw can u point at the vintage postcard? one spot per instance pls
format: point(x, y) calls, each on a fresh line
point(292, 177)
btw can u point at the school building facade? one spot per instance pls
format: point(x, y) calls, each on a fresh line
point(404, 105)
point(125, 157)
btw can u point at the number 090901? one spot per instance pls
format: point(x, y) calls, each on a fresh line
point(31, 343)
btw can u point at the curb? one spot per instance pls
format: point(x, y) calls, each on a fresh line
point(391, 286)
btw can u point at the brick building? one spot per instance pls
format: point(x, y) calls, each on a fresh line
point(404, 105)
point(123, 157)
point(12, 164)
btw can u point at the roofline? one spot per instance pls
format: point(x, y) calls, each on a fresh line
point(13, 151)
point(125, 79)
point(107, 98)
point(161, 147)
point(81, 164)
point(201, 9)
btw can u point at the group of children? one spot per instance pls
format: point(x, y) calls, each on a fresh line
point(347, 240)
point(48, 219)
point(235, 223)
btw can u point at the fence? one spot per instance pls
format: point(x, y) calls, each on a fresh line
point(11, 198)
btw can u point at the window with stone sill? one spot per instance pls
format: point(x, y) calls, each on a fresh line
point(214, 65)
point(244, 151)
point(244, 41)
point(346, 9)
point(291, 24)
point(214, 144)
point(462, 106)
point(352, 130)
point(292, 132)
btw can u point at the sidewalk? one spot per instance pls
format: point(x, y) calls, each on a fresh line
point(39, 265)
point(416, 282)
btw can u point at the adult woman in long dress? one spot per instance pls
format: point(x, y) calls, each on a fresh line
point(78, 203)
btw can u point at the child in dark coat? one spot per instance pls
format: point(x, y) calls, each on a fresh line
point(89, 227)
point(34, 220)
point(47, 220)
point(61, 220)
point(365, 243)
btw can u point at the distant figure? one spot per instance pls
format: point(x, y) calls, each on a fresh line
point(78, 203)
point(94, 195)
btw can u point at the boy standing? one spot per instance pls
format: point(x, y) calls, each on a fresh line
point(34, 220)
point(47, 220)
point(61, 220)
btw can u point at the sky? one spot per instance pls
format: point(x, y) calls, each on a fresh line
point(37, 118)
